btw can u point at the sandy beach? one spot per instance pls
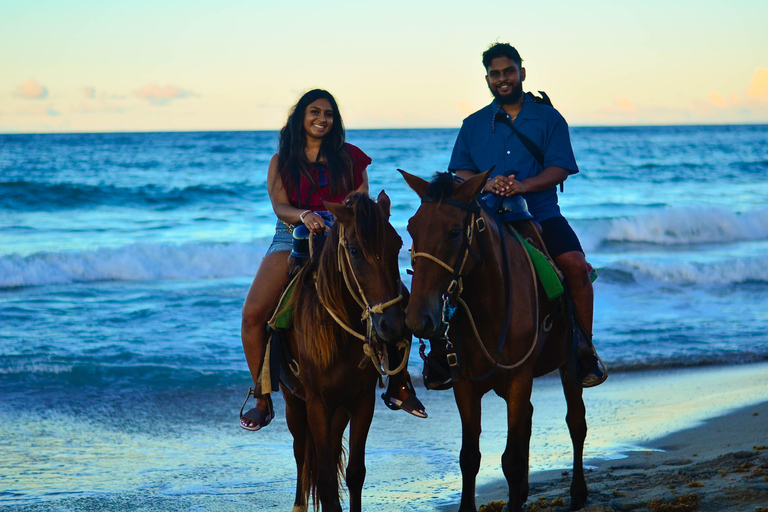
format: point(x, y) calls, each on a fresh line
point(654, 435)
point(718, 465)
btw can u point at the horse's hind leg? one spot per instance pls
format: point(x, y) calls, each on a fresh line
point(358, 434)
point(514, 461)
point(577, 426)
point(469, 404)
point(296, 418)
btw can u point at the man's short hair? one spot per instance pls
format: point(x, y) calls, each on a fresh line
point(501, 50)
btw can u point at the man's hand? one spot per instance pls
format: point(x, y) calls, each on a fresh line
point(505, 186)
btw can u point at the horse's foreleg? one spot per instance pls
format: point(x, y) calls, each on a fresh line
point(325, 480)
point(577, 426)
point(469, 404)
point(514, 460)
point(296, 418)
point(358, 434)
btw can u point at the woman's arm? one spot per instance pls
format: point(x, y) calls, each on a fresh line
point(363, 188)
point(281, 204)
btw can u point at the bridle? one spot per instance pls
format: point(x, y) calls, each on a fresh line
point(474, 217)
point(380, 362)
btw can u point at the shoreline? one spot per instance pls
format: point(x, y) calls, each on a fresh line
point(720, 462)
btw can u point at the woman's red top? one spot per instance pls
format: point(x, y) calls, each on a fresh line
point(359, 162)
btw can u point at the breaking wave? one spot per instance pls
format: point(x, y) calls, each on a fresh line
point(136, 262)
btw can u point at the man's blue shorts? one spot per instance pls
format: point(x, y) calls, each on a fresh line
point(559, 237)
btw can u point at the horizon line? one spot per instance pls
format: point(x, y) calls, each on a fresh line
point(108, 132)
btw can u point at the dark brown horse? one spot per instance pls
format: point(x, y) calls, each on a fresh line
point(500, 327)
point(348, 298)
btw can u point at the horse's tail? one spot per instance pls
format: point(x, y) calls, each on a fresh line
point(310, 474)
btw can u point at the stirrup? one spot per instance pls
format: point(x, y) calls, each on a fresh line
point(595, 373)
point(259, 417)
point(437, 376)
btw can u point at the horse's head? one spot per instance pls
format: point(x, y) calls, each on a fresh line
point(367, 256)
point(444, 232)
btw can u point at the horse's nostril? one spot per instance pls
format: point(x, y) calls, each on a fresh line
point(428, 324)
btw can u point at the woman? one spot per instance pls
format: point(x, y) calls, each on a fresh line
point(313, 163)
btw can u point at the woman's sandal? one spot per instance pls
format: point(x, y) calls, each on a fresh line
point(405, 400)
point(258, 418)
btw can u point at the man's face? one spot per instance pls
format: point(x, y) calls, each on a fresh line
point(505, 80)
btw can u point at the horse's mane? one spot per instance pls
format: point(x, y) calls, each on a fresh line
point(321, 282)
point(441, 186)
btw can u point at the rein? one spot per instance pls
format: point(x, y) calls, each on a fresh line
point(380, 362)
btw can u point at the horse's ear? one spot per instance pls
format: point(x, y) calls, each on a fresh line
point(384, 203)
point(418, 185)
point(468, 190)
point(340, 211)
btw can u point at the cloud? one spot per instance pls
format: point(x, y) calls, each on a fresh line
point(624, 104)
point(162, 95)
point(465, 108)
point(716, 99)
point(31, 89)
point(99, 103)
point(93, 107)
point(39, 111)
point(758, 86)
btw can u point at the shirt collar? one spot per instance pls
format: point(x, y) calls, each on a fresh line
point(526, 112)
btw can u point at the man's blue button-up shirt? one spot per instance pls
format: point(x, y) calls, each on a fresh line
point(486, 139)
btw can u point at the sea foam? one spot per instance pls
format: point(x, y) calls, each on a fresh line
point(725, 272)
point(136, 262)
point(691, 225)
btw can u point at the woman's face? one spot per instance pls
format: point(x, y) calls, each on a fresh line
point(318, 119)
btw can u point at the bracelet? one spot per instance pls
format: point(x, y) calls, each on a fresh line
point(302, 214)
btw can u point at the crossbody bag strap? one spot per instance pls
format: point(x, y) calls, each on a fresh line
point(532, 148)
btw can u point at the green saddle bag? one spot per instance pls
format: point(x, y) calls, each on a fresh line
point(283, 315)
point(547, 274)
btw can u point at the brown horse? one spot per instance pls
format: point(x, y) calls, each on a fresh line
point(347, 308)
point(473, 275)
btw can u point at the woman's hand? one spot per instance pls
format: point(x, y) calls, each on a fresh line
point(314, 223)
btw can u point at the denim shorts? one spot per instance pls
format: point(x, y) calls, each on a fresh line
point(283, 239)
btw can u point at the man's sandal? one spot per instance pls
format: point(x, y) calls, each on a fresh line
point(592, 370)
point(256, 418)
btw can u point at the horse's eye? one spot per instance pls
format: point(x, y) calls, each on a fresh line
point(454, 234)
point(354, 252)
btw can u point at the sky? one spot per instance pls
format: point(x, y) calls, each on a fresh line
point(113, 66)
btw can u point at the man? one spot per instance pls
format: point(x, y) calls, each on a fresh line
point(496, 136)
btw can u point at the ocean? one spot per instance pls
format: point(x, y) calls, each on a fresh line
point(125, 258)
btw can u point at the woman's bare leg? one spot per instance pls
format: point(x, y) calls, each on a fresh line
point(259, 304)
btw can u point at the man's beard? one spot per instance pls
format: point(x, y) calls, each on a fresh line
point(514, 97)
